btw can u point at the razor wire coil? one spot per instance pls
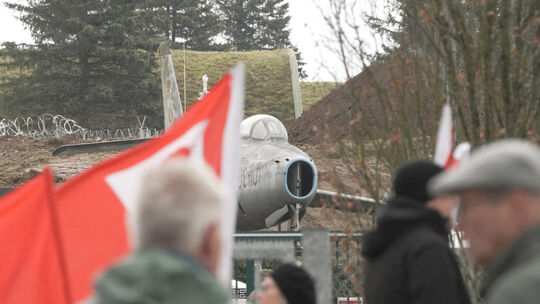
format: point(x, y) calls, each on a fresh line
point(56, 126)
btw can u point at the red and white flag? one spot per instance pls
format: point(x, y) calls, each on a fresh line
point(445, 139)
point(32, 268)
point(92, 206)
point(461, 152)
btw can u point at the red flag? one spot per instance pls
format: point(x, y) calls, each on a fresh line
point(32, 267)
point(92, 207)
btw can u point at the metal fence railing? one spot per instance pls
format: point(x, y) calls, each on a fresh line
point(343, 256)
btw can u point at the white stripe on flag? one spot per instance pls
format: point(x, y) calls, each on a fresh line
point(230, 169)
point(445, 138)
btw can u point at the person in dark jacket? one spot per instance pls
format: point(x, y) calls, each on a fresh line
point(408, 259)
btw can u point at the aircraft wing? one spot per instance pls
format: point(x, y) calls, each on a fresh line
point(117, 145)
point(343, 201)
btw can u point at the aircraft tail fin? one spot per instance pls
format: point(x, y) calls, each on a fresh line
point(172, 105)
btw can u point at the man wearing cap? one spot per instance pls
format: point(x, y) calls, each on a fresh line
point(499, 191)
point(408, 259)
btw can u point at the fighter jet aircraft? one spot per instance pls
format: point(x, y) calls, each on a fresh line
point(278, 180)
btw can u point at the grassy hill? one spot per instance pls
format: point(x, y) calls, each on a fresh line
point(268, 78)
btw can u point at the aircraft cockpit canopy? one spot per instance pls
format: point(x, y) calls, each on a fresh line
point(262, 127)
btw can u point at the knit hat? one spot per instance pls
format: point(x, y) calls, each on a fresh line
point(295, 284)
point(412, 178)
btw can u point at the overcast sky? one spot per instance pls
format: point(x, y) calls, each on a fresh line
point(308, 31)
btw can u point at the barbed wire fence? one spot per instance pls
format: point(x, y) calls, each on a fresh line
point(57, 126)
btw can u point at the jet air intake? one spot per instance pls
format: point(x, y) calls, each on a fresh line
point(301, 180)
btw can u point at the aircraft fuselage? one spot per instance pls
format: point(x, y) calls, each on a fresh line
point(275, 176)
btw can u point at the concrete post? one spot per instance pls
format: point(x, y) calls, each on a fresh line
point(316, 261)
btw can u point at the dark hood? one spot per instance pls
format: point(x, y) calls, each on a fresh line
point(400, 215)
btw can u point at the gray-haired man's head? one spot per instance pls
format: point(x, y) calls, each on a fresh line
point(179, 207)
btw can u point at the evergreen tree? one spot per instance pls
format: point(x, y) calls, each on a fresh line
point(155, 15)
point(239, 17)
point(194, 22)
point(258, 24)
point(272, 24)
point(89, 57)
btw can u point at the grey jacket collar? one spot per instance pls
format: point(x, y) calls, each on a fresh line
point(527, 247)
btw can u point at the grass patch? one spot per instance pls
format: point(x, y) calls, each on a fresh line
point(268, 78)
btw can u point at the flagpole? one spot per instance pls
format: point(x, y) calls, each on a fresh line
point(56, 231)
point(185, 98)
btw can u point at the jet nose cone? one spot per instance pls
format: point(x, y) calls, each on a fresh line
point(300, 179)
